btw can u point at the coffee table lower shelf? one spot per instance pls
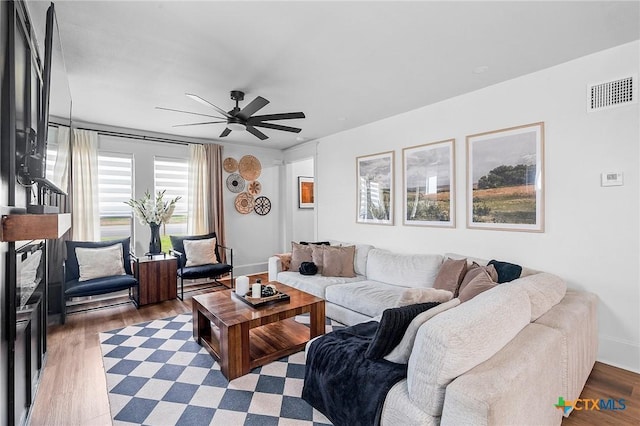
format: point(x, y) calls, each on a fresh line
point(267, 343)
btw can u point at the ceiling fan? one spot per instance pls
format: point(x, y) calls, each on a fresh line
point(242, 119)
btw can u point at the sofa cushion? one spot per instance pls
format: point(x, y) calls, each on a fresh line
point(506, 271)
point(481, 283)
point(411, 296)
point(369, 298)
point(473, 271)
point(451, 274)
point(338, 261)
point(314, 284)
point(405, 270)
point(72, 270)
point(545, 290)
point(300, 253)
point(393, 324)
point(401, 352)
point(457, 340)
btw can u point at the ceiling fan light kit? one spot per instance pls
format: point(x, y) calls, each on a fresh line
point(242, 119)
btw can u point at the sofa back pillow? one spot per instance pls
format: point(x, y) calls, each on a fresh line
point(545, 290)
point(400, 354)
point(457, 340)
point(403, 270)
point(100, 262)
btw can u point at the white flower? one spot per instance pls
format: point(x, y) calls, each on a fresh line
point(149, 210)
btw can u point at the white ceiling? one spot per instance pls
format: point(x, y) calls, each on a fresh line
point(344, 64)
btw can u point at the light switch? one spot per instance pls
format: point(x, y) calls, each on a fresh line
point(611, 179)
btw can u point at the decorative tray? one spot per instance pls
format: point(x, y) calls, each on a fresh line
point(261, 301)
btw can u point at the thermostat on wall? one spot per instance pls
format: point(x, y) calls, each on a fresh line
point(611, 179)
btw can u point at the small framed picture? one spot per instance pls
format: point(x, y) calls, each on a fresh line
point(374, 183)
point(305, 192)
point(428, 181)
point(505, 179)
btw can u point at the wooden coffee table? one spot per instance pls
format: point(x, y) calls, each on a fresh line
point(241, 337)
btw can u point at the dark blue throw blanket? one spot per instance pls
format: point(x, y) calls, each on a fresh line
point(344, 385)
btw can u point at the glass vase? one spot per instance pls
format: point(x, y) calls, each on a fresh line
point(155, 245)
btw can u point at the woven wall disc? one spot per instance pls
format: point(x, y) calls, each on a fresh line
point(235, 183)
point(262, 205)
point(230, 165)
point(244, 203)
point(249, 167)
point(254, 188)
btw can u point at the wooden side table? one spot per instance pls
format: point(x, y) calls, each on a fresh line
point(157, 279)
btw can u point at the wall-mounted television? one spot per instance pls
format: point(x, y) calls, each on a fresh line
point(55, 104)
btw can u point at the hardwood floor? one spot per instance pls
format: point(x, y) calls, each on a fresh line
point(73, 389)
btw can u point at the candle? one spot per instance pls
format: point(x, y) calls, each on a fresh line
point(242, 285)
point(256, 290)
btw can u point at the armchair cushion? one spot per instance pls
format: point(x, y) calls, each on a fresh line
point(177, 242)
point(72, 269)
point(76, 288)
point(204, 271)
point(200, 252)
point(100, 262)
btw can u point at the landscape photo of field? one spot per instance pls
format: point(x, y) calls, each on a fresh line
point(428, 184)
point(505, 171)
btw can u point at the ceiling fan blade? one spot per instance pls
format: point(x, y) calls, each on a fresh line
point(198, 124)
point(207, 103)
point(225, 132)
point(253, 106)
point(257, 133)
point(188, 112)
point(283, 116)
point(277, 127)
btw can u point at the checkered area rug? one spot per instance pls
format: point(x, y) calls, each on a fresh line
point(158, 375)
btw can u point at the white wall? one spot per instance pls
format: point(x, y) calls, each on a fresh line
point(301, 225)
point(592, 232)
point(253, 237)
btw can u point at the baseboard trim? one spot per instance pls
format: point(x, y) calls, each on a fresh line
point(619, 353)
point(249, 269)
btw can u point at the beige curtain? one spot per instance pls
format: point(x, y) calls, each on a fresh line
point(206, 210)
point(216, 184)
point(85, 214)
point(198, 217)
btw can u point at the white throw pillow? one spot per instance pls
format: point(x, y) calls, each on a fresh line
point(412, 296)
point(200, 252)
point(400, 354)
point(100, 262)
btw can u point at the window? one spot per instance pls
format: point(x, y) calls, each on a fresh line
point(52, 151)
point(115, 179)
point(172, 175)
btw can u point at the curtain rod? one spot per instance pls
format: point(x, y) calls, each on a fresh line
point(132, 136)
point(125, 135)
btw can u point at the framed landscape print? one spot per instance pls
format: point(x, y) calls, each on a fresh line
point(305, 192)
point(374, 182)
point(428, 182)
point(505, 179)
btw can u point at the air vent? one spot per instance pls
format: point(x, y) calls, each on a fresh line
point(612, 94)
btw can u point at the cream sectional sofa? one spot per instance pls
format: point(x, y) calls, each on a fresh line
point(502, 358)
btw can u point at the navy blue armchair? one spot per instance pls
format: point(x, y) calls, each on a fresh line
point(73, 287)
point(213, 271)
